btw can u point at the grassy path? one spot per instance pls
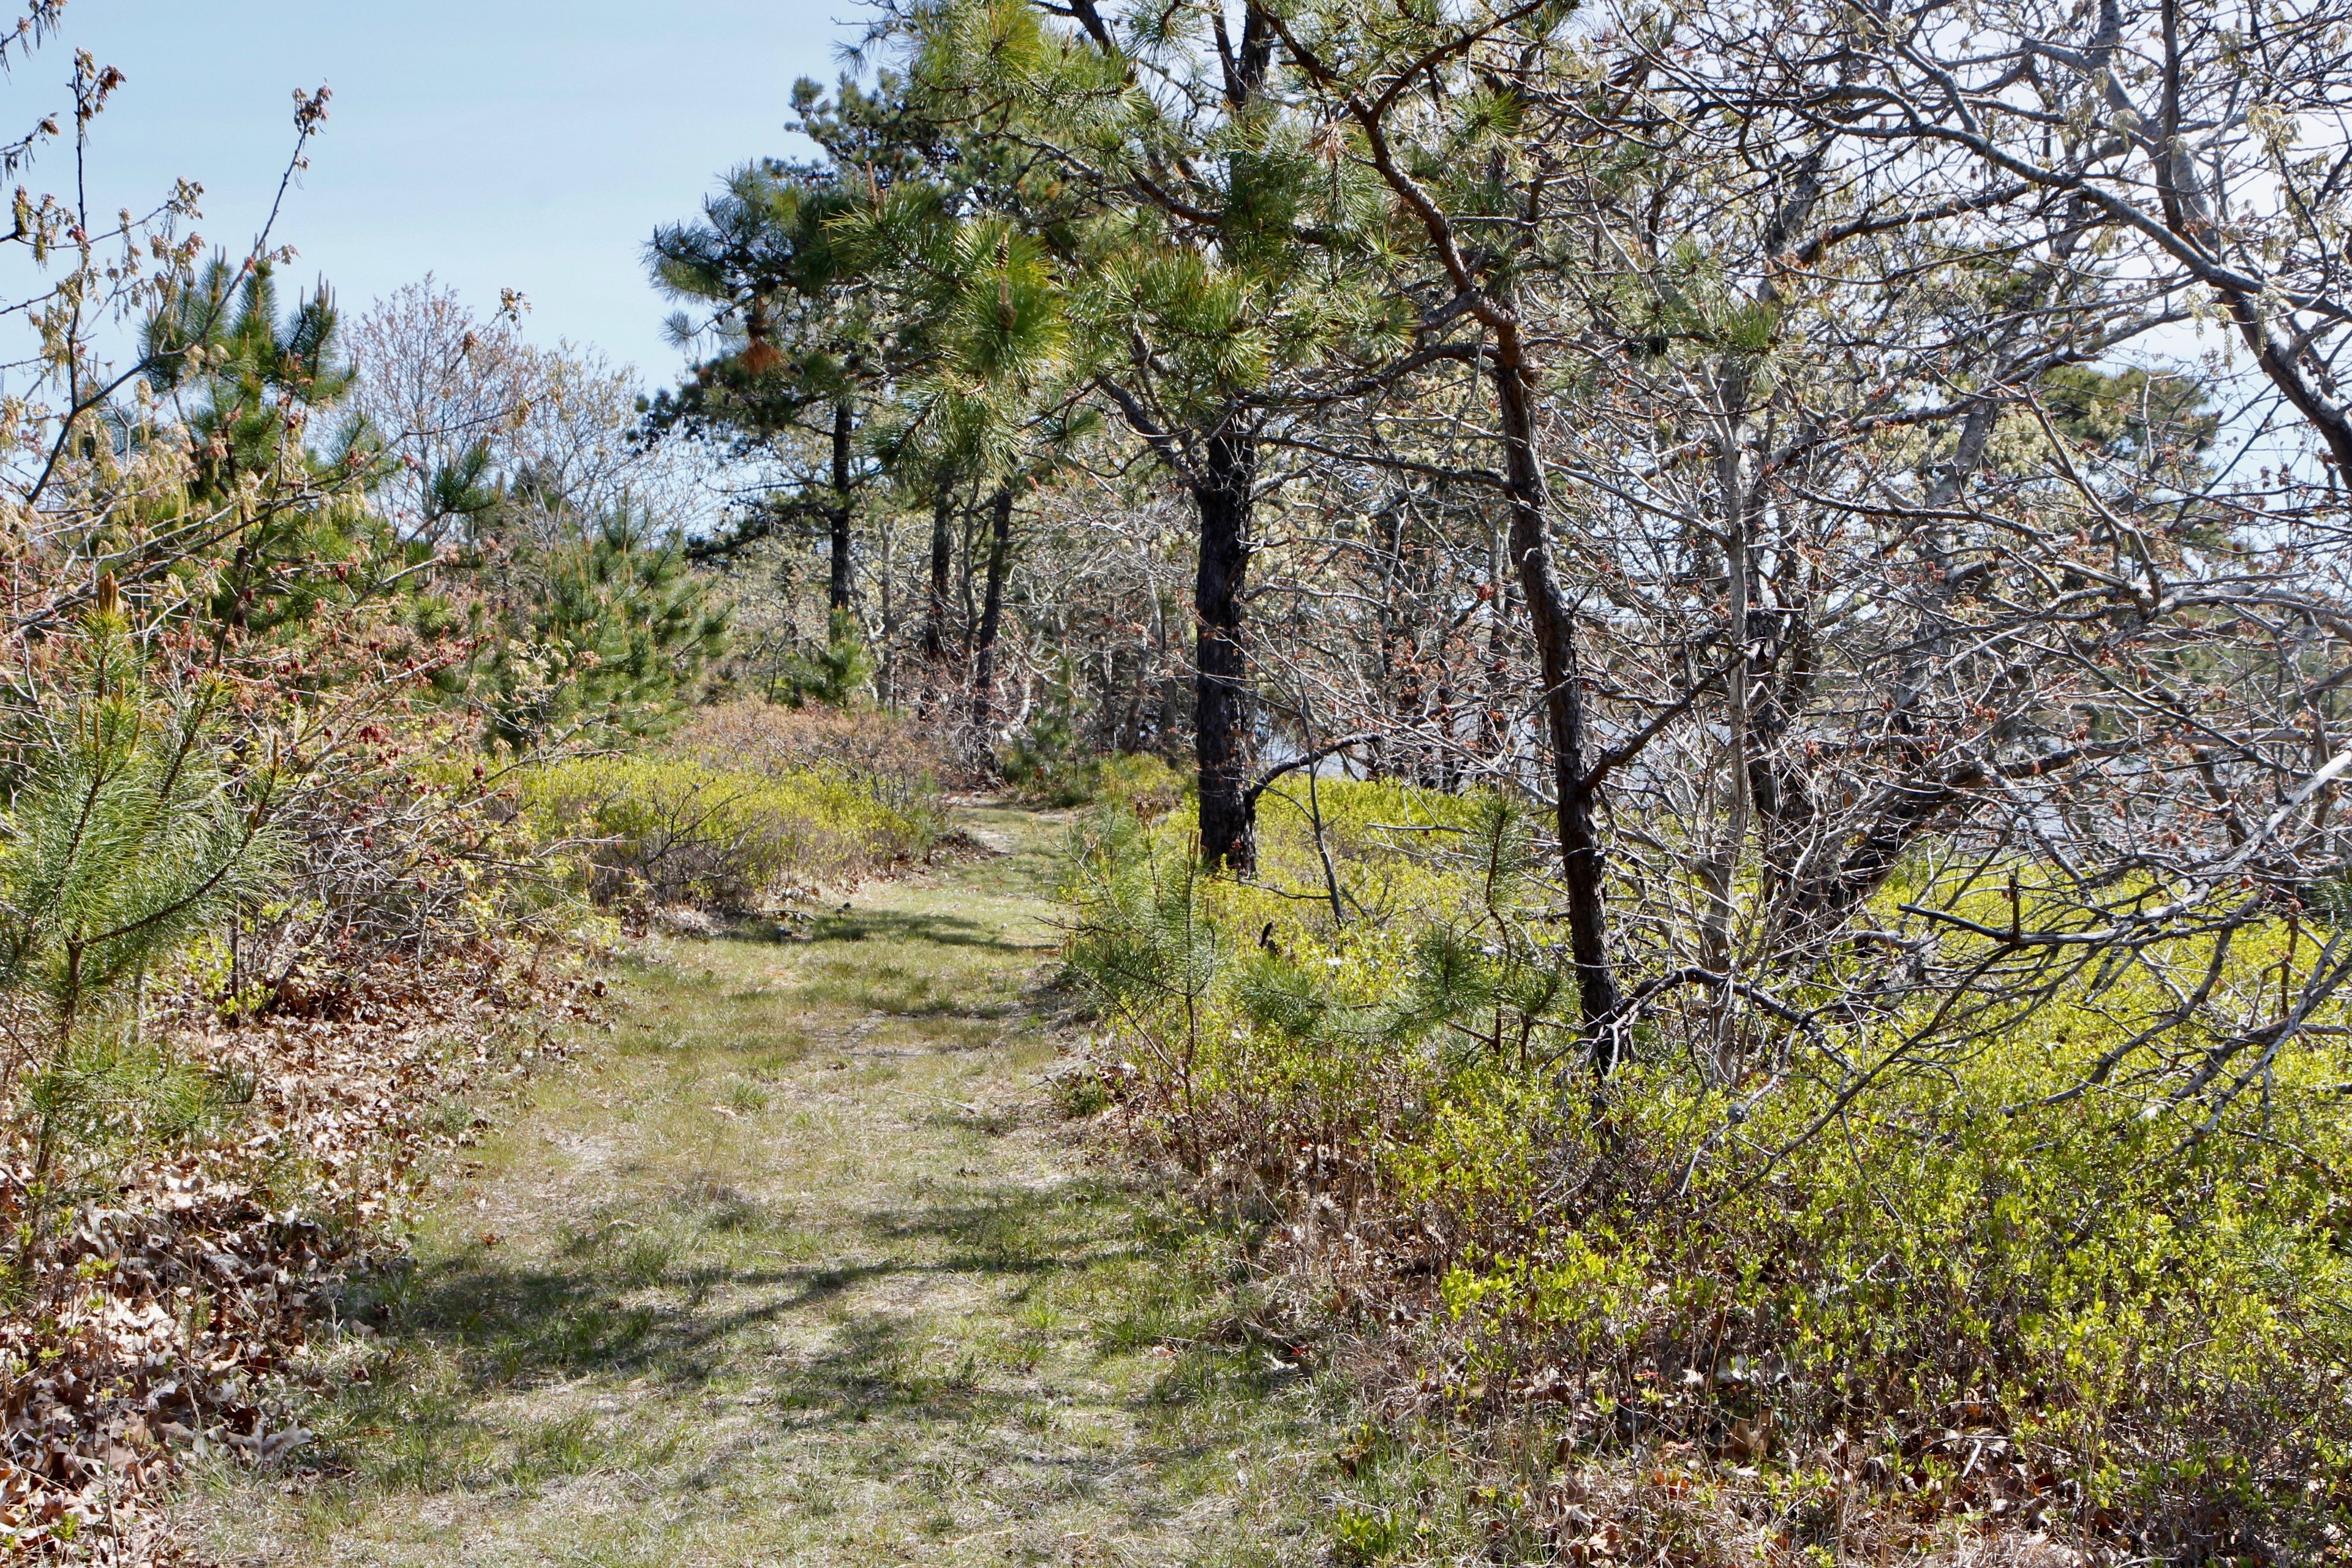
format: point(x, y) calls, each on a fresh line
point(799, 1266)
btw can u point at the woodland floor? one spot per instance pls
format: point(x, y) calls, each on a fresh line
point(801, 1265)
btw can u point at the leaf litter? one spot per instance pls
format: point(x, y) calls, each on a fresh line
point(172, 1314)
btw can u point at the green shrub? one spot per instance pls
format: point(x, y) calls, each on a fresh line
point(834, 674)
point(601, 630)
point(1042, 759)
point(661, 829)
point(127, 837)
point(1995, 1278)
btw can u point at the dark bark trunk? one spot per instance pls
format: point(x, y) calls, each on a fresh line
point(838, 591)
point(1554, 628)
point(935, 606)
point(1441, 755)
point(992, 615)
point(967, 558)
point(1221, 689)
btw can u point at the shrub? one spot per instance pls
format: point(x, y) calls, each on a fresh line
point(834, 674)
point(879, 750)
point(126, 838)
point(600, 628)
point(1998, 1289)
point(1043, 757)
point(1142, 782)
point(659, 829)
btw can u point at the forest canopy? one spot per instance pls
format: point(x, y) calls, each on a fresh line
point(1871, 480)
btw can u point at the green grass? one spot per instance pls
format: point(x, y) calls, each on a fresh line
point(800, 1264)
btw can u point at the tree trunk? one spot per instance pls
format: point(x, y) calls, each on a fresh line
point(1220, 689)
point(1828, 887)
point(837, 593)
point(984, 671)
point(935, 606)
point(1720, 872)
point(1554, 627)
point(887, 679)
point(967, 557)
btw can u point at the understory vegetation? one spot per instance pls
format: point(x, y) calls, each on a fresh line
point(1728, 1306)
point(750, 808)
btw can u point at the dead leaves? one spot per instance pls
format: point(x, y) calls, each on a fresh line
point(175, 1310)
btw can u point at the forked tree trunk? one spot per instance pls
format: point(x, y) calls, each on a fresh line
point(1221, 689)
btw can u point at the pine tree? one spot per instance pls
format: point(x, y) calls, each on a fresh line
point(126, 835)
point(601, 630)
point(984, 395)
point(803, 361)
point(834, 673)
point(1212, 251)
point(283, 519)
point(883, 329)
point(219, 346)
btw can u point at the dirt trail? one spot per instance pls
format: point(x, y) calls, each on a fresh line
point(800, 1266)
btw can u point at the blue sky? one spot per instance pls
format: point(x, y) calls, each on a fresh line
point(496, 143)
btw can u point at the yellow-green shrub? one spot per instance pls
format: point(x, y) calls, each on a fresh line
point(1142, 782)
point(2126, 1321)
point(661, 828)
point(880, 751)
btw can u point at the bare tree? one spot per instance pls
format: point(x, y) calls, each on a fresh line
point(464, 405)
